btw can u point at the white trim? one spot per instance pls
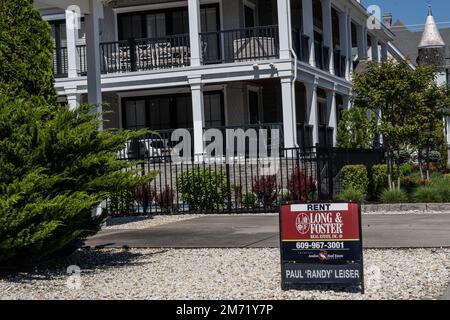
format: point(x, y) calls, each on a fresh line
point(159, 6)
point(54, 17)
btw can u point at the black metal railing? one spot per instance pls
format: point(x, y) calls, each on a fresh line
point(60, 62)
point(82, 63)
point(239, 184)
point(301, 45)
point(322, 55)
point(145, 54)
point(304, 135)
point(268, 136)
point(240, 45)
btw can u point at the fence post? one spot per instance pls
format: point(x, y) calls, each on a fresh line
point(227, 168)
point(319, 180)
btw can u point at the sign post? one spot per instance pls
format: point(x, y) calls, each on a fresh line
point(321, 243)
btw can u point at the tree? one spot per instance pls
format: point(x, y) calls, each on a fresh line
point(395, 92)
point(428, 123)
point(26, 51)
point(356, 130)
point(55, 165)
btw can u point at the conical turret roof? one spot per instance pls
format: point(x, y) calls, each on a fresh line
point(431, 36)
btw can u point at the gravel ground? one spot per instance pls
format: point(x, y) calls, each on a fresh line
point(222, 274)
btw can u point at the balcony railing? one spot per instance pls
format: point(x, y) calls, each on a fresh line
point(145, 54)
point(301, 45)
point(60, 63)
point(240, 45)
point(322, 54)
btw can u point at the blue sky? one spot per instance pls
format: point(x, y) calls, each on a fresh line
point(413, 12)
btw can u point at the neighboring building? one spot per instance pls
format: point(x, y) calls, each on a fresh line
point(427, 47)
point(216, 63)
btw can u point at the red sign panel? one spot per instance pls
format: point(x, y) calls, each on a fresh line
point(320, 222)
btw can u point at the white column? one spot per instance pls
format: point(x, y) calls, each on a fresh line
point(308, 28)
point(93, 54)
point(72, 27)
point(194, 31)
point(197, 114)
point(332, 109)
point(284, 27)
point(73, 100)
point(311, 102)
point(375, 49)
point(328, 31)
point(289, 116)
point(343, 38)
point(384, 52)
point(365, 42)
point(349, 47)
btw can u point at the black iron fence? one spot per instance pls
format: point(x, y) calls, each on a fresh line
point(240, 45)
point(245, 183)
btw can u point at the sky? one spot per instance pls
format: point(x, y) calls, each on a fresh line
point(414, 12)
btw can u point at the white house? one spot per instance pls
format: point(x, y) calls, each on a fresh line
point(201, 64)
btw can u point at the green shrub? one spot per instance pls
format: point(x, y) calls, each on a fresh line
point(441, 187)
point(352, 195)
point(406, 169)
point(26, 52)
point(426, 194)
point(379, 179)
point(203, 189)
point(434, 156)
point(393, 196)
point(354, 177)
point(250, 201)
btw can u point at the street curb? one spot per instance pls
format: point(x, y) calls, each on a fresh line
point(406, 207)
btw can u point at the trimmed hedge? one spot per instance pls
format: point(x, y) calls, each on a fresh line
point(355, 177)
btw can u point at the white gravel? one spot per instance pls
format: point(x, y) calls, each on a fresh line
point(223, 274)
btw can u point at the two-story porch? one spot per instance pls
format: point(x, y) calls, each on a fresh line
point(148, 49)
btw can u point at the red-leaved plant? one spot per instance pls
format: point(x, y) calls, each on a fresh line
point(301, 186)
point(266, 190)
point(165, 199)
point(144, 193)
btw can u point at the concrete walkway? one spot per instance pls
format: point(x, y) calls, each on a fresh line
point(379, 231)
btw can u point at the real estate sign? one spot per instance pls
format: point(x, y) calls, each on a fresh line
point(321, 243)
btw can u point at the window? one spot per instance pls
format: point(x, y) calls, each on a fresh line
point(161, 23)
point(249, 17)
point(213, 107)
point(157, 112)
point(253, 105)
point(156, 25)
point(135, 114)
